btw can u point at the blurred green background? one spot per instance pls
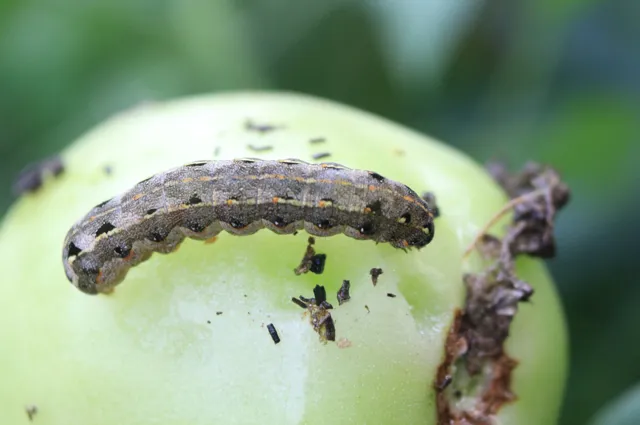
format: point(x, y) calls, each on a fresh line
point(552, 81)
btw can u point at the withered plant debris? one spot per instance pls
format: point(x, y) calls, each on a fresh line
point(319, 314)
point(311, 262)
point(475, 366)
point(321, 155)
point(375, 273)
point(32, 176)
point(317, 263)
point(317, 140)
point(319, 299)
point(299, 303)
point(262, 148)
point(274, 333)
point(251, 125)
point(537, 193)
point(343, 293)
point(430, 199)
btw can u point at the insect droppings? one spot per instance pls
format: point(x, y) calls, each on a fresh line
point(273, 332)
point(32, 176)
point(343, 293)
point(321, 155)
point(375, 273)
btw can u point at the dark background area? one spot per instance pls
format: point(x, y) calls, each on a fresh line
point(552, 81)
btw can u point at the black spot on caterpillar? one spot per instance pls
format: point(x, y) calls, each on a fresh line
point(201, 199)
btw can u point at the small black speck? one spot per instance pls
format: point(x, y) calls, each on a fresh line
point(321, 155)
point(151, 211)
point(273, 332)
point(218, 313)
point(209, 321)
point(390, 295)
point(260, 128)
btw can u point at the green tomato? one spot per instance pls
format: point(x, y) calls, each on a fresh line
point(183, 340)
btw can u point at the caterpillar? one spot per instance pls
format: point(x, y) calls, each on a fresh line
point(241, 196)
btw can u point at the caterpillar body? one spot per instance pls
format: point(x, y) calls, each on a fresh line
point(241, 196)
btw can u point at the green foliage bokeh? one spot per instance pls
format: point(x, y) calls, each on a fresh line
point(549, 81)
